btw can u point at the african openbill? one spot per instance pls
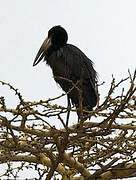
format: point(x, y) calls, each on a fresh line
point(71, 68)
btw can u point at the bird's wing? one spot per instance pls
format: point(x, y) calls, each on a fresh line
point(78, 64)
point(81, 68)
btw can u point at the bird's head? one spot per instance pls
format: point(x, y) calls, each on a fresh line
point(57, 38)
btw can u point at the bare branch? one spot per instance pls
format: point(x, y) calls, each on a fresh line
point(102, 147)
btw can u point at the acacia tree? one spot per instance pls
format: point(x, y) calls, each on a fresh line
point(100, 148)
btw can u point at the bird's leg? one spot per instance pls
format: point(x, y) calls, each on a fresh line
point(78, 114)
point(68, 108)
point(80, 92)
point(81, 105)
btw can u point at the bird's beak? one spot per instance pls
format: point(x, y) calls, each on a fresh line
point(42, 51)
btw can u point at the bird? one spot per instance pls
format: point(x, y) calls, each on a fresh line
point(71, 69)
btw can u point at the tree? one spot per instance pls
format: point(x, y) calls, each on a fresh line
point(100, 148)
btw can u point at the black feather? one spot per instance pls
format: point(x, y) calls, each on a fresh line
point(70, 66)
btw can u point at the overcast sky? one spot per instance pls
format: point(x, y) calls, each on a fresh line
point(105, 30)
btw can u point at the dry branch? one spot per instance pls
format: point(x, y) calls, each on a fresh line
point(100, 148)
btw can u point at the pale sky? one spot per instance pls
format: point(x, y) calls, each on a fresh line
point(105, 30)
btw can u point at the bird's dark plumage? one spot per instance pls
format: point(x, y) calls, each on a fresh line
point(71, 68)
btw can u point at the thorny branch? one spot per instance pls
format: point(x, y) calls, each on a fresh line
point(104, 148)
